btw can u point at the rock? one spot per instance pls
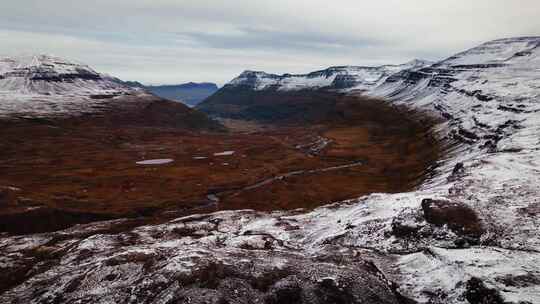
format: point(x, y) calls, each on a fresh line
point(468, 134)
point(407, 224)
point(478, 293)
point(531, 210)
point(199, 296)
point(285, 291)
point(202, 276)
point(459, 217)
point(458, 168)
point(524, 280)
point(457, 172)
point(238, 291)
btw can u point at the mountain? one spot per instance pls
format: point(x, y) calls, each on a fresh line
point(469, 234)
point(46, 75)
point(51, 87)
point(271, 98)
point(341, 77)
point(488, 96)
point(190, 93)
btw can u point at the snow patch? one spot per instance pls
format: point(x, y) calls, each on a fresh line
point(224, 153)
point(155, 161)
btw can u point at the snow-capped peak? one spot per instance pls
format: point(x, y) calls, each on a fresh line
point(416, 63)
point(498, 52)
point(45, 84)
point(32, 65)
point(337, 77)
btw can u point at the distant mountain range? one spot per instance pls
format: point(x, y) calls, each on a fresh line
point(190, 93)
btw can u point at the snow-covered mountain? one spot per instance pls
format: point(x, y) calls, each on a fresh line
point(471, 234)
point(51, 87)
point(43, 85)
point(47, 75)
point(341, 77)
point(272, 98)
point(488, 96)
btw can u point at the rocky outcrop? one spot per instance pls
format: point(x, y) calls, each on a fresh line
point(156, 264)
point(462, 219)
point(478, 293)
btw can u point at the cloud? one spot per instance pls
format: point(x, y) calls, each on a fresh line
point(169, 41)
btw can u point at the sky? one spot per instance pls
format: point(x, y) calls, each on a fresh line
point(177, 41)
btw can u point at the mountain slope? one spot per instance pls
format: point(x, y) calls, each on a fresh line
point(53, 88)
point(271, 98)
point(489, 97)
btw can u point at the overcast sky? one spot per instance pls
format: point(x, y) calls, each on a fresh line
point(175, 41)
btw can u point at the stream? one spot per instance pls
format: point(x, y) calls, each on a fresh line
point(214, 197)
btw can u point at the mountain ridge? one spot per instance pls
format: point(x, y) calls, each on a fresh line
point(256, 95)
point(336, 77)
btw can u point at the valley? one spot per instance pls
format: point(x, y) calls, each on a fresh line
point(73, 172)
point(412, 183)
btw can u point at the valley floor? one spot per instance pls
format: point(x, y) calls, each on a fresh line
point(56, 175)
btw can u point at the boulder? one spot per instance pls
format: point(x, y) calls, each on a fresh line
point(459, 217)
point(478, 293)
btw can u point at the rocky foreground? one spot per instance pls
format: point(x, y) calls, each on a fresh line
point(468, 235)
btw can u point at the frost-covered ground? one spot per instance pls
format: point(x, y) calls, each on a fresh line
point(469, 234)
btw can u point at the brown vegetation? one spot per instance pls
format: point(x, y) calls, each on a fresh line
point(75, 172)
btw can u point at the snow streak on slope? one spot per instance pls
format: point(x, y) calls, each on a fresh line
point(44, 85)
point(343, 77)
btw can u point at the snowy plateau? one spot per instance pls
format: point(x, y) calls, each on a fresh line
point(381, 248)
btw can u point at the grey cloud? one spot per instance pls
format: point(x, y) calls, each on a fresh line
point(160, 41)
point(259, 38)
